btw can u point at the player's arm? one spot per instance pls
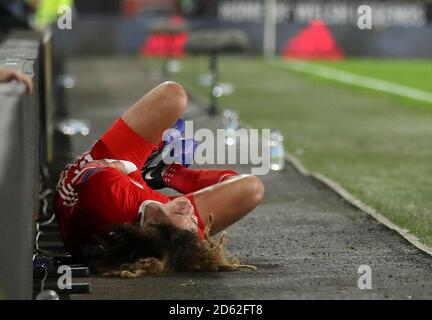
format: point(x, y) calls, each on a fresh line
point(93, 167)
point(7, 75)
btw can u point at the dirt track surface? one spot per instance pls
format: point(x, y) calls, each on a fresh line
point(306, 241)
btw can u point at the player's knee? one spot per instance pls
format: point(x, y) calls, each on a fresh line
point(176, 96)
point(173, 88)
point(254, 190)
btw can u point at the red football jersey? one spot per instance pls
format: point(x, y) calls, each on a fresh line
point(90, 197)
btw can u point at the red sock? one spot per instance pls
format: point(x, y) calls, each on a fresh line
point(186, 180)
point(159, 146)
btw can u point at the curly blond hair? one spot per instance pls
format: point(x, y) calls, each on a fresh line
point(157, 249)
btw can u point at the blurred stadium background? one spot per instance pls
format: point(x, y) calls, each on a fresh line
point(353, 105)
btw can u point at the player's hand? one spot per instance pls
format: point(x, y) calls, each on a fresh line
point(12, 75)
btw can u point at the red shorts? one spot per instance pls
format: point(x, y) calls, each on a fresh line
point(109, 197)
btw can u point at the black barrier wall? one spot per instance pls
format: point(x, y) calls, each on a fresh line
point(19, 167)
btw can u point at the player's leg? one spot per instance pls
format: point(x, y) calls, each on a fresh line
point(182, 179)
point(229, 201)
point(134, 137)
point(157, 111)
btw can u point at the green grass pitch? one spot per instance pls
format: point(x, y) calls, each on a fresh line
point(377, 146)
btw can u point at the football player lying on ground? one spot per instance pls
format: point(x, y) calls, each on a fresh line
point(108, 209)
point(7, 75)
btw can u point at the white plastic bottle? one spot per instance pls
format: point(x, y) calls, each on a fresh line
point(277, 151)
point(230, 121)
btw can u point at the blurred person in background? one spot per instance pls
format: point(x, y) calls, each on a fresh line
point(30, 14)
point(15, 14)
point(47, 11)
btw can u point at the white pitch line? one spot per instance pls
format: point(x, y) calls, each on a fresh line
point(350, 198)
point(357, 80)
point(371, 83)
